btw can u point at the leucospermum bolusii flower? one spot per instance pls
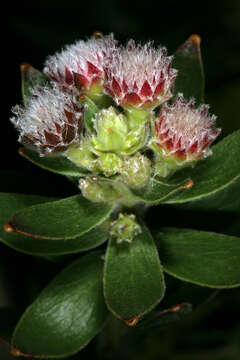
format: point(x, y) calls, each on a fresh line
point(81, 64)
point(140, 76)
point(70, 115)
point(183, 134)
point(51, 121)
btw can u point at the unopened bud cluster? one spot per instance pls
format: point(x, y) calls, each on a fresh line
point(99, 111)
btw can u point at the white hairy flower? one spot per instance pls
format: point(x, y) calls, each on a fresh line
point(185, 131)
point(140, 75)
point(82, 63)
point(51, 121)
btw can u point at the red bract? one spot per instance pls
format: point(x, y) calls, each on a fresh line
point(140, 76)
point(81, 64)
point(184, 131)
point(51, 122)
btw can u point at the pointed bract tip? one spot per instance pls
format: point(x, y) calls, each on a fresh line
point(8, 228)
point(21, 150)
point(189, 184)
point(97, 34)
point(196, 39)
point(17, 352)
point(82, 97)
point(132, 322)
point(176, 308)
point(25, 67)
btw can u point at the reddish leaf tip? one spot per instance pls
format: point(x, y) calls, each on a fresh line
point(196, 39)
point(25, 67)
point(97, 34)
point(17, 352)
point(189, 184)
point(132, 322)
point(21, 150)
point(176, 308)
point(82, 97)
point(8, 227)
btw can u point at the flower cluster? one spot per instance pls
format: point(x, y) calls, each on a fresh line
point(184, 131)
point(99, 110)
point(140, 75)
point(51, 121)
point(81, 64)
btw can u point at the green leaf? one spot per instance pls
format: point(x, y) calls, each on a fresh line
point(89, 113)
point(213, 174)
point(62, 219)
point(67, 314)
point(49, 247)
point(157, 191)
point(10, 203)
point(226, 200)
point(203, 258)
point(31, 77)
point(58, 164)
point(133, 279)
point(190, 79)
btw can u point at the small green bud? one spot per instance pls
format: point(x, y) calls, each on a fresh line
point(95, 190)
point(136, 170)
point(117, 133)
point(125, 228)
point(110, 164)
point(82, 156)
point(111, 129)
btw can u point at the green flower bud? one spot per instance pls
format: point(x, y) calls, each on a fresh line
point(111, 131)
point(96, 190)
point(117, 133)
point(110, 164)
point(136, 170)
point(125, 228)
point(82, 156)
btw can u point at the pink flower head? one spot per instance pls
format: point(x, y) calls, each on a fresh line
point(140, 76)
point(51, 122)
point(80, 64)
point(184, 131)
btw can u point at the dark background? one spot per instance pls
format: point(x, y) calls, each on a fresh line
point(35, 31)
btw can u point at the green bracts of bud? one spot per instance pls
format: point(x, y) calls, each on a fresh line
point(136, 170)
point(96, 190)
point(125, 228)
point(116, 133)
point(82, 156)
point(111, 131)
point(109, 164)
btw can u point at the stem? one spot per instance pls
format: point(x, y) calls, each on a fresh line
point(126, 197)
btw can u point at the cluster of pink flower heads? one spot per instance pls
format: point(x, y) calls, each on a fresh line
point(134, 75)
point(51, 121)
point(184, 131)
